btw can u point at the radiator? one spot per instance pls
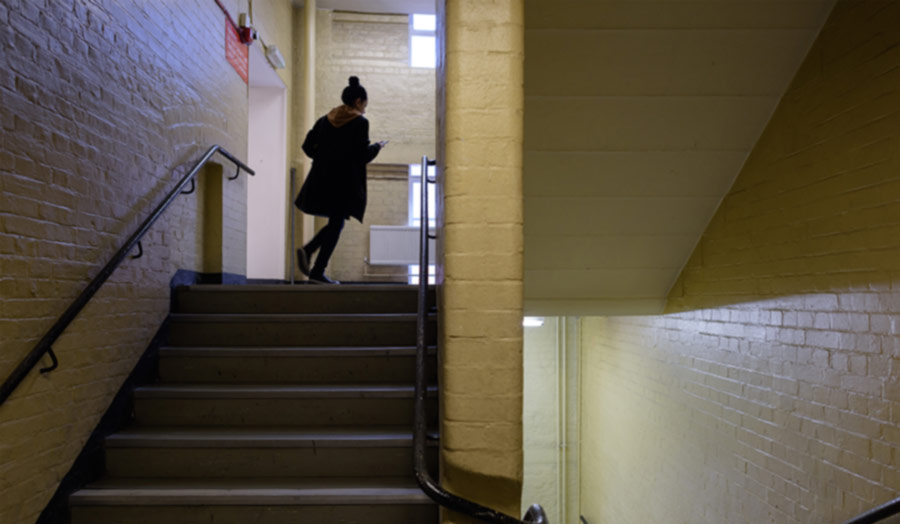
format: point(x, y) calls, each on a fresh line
point(396, 245)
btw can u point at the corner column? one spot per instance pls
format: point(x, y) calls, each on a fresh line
point(309, 101)
point(480, 141)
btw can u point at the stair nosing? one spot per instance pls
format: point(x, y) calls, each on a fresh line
point(343, 288)
point(288, 351)
point(234, 494)
point(257, 438)
point(294, 317)
point(248, 391)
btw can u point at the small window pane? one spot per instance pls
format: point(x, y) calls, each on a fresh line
point(415, 196)
point(414, 273)
point(424, 22)
point(415, 170)
point(423, 51)
point(417, 203)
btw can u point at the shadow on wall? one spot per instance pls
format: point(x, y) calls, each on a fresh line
point(816, 209)
point(768, 392)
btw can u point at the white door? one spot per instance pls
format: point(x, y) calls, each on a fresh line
point(267, 191)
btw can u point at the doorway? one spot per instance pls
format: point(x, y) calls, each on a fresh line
point(267, 192)
point(551, 412)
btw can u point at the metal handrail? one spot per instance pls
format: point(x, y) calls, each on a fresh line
point(888, 509)
point(535, 514)
point(45, 345)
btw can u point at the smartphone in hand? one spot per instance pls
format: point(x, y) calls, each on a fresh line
point(383, 143)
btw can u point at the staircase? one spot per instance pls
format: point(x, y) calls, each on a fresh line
point(275, 404)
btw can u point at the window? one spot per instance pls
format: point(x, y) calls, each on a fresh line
point(415, 196)
point(415, 213)
point(422, 41)
point(414, 274)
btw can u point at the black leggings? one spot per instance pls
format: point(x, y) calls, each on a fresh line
point(325, 241)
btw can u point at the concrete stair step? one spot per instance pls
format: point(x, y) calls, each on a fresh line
point(278, 405)
point(199, 452)
point(291, 364)
point(366, 298)
point(274, 437)
point(307, 330)
point(277, 351)
point(263, 501)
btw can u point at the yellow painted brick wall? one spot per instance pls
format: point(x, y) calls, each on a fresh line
point(401, 98)
point(99, 102)
point(481, 239)
point(768, 392)
point(298, 160)
point(401, 108)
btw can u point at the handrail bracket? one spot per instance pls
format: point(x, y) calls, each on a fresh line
point(191, 190)
point(54, 362)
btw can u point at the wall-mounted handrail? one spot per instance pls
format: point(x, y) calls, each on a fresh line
point(535, 514)
point(888, 509)
point(45, 345)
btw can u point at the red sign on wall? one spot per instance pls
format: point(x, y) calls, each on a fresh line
point(238, 54)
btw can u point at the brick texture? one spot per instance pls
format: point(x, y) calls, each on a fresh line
point(100, 101)
point(388, 199)
point(768, 392)
point(481, 294)
point(401, 108)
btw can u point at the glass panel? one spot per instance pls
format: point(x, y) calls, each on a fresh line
point(416, 203)
point(414, 273)
point(424, 22)
point(415, 197)
point(432, 205)
point(423, 51)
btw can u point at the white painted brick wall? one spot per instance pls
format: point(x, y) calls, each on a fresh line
point(99, 102)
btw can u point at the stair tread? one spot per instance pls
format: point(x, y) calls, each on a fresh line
point(232, 492)
point(343, 288)
point(295, 317)
point(258, 437)
point(288, 351)
point(277, 391)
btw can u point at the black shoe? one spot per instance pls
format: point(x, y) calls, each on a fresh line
point(303, 261)
point(320, 278)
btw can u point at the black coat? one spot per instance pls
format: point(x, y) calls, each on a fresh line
point(336, 184)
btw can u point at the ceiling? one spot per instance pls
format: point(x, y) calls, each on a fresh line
point(376, 6)
point(638, 117)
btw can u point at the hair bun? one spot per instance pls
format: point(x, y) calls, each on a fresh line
point(354, 81)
